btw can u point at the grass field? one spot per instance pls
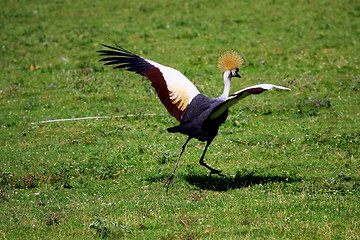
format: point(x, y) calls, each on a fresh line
point(291, 159)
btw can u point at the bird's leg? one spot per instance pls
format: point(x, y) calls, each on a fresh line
point(171, 177)
point(213, 171)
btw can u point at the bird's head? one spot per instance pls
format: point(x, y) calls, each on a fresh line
point(235, 73)
point(230, 61)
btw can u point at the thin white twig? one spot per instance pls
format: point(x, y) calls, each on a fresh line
point(98, 117)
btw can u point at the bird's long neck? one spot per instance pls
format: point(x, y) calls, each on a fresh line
point(227, 78)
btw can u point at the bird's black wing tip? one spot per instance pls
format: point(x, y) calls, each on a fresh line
point(116, 48)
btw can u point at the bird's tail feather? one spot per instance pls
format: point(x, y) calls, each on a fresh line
point(174, 129)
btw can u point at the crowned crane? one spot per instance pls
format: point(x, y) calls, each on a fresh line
point(200, 117)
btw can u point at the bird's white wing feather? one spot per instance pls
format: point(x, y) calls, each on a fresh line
point(181, 89)
point(235, 97)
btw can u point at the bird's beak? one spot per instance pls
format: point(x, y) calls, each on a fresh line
point(237, 75)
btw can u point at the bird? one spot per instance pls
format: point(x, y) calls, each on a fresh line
point(199, 116)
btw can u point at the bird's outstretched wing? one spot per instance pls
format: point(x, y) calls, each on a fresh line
point(173, 88)
point(235, 97)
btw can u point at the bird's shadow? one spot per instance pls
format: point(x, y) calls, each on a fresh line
point(217, 183)
point(224, 183)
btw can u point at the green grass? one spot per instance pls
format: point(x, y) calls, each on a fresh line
point(291, 159)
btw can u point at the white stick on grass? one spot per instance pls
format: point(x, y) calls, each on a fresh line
point(98, 117)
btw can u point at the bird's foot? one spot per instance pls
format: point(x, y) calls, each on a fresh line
point(217, 172)
point(169, 181)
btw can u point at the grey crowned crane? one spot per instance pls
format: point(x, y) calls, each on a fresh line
point(200, 117)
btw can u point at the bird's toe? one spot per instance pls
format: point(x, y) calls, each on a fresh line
point(217, 172)
point(169, 181)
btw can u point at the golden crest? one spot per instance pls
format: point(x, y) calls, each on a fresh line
point(230, 60)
